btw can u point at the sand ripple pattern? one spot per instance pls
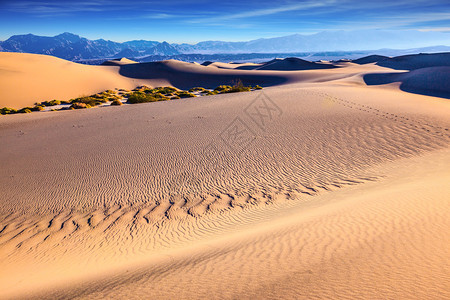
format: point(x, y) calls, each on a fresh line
point(163, 162)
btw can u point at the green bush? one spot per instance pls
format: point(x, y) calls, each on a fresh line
point(38, 108)
point(80, 105)
point(140, 97)
point(116, 102)
point(142, 88)
point(51, 103)
point(185, 94)
point(89, 100)
point(222, 88)
point(7, 111)
point(197, 89)
point(238, 87)
point(25, 110)
point(209, 93)
point(257, 87)
point(165, 90)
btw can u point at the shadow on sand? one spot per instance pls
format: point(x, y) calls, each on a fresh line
point(185, 76)
point(432, 81)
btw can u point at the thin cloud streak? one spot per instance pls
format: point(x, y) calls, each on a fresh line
point(265, 12)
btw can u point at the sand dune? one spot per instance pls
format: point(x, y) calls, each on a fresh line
point(287, 64)
point(369, 59)
point(417, 61)
point(317, 187)
point(64, 80)
point(186, 75)
point(119, 62)
point(50, 78)
point(426, 81)
point(221, 65)
point(29, 78)
point(350, 244)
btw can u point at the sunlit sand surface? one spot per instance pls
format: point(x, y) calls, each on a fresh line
point(319, 186)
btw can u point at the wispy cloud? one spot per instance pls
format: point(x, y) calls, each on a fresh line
point(441, 29)
point(265, 12)
point(160, 16)
point(47, 7)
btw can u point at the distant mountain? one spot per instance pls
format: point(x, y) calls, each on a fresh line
point(327, 41)
point(73, 47)
point(140, 45)
point(163, 48)
point(67, 45)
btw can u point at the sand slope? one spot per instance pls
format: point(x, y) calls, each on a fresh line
point(320, 188)
point(416, 61)
point(119, 62)
point(354, 244)
point(431, 81)
point(47, 78)
point(29, 78)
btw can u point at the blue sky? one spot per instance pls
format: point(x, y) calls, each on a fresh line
point(193, 21)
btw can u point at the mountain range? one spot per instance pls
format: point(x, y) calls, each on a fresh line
point(73, 47)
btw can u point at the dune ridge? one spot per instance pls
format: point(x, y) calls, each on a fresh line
point(65, 80)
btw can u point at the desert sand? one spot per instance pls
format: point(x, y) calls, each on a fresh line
point(319, 186)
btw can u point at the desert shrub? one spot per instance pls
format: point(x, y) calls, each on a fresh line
point(197, 89)
point(66, 101)
point(142, 88)
point(238, 87)
point(257, 87)
point(7, 111)
point(116, 102)
point(112, 96)
point(25, 110)
point(51, 103)
point(209, 93)
point(80, 105)
point(222, 88)
point(38, 108)
point(185, 94)
point(140, 97)
point(101, 98)
point(48, 103)
point(175, 97)
point(165, 90)
point(89, 100)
